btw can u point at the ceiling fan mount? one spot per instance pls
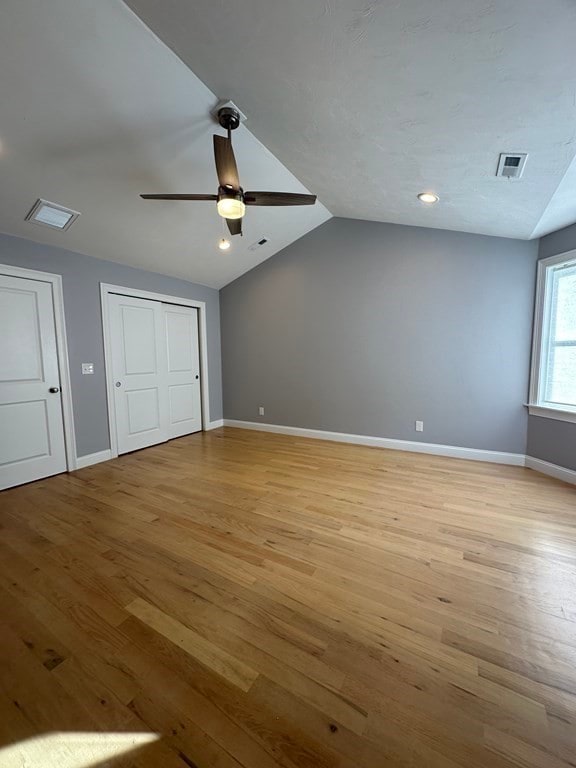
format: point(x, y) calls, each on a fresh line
point(231, 200)
point(229, 118)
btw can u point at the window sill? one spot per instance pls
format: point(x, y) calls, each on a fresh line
point(549, 412)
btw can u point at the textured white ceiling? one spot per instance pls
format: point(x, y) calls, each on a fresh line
point(369, 102)
point(94, 110)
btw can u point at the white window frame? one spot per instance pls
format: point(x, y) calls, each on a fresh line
point(540, 340)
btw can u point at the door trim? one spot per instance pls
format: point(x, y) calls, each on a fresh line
point(62, 349)
point(105, 290)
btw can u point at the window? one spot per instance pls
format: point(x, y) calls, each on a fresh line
point(553, 385)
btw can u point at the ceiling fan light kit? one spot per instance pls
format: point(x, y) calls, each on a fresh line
point(230, 204)
point(231, 200)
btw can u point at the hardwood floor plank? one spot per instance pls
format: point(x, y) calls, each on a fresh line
point(169, 676)
point(35, 691)
point(193, 744)
point(207, 653)
point(520, 752)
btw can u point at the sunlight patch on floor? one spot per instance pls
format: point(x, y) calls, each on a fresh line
point(72, 750)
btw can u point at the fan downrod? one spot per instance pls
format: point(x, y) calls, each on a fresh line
point(229, 118)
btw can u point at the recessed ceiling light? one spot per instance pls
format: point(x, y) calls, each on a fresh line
point(224, 244)
point(428, 197)
point(52, 215)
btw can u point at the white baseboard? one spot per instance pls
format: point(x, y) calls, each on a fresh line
point(560, 473)
point(456, 452)
point(93, 458)
point(97, 458)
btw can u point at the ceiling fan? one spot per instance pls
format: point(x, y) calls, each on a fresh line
point(231, 200)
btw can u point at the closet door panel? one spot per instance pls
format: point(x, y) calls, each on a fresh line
point(183, 358)
point(140, 372)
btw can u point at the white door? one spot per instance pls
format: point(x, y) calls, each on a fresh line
point(139, 372)
point(183, 379)
point(31, 422)
point(156, 371)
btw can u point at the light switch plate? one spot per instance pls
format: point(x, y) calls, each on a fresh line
point(87, 368)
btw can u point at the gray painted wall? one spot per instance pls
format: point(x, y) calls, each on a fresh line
point(549, 439)
point(552, 440)
point(81, 278)
point(363, 327)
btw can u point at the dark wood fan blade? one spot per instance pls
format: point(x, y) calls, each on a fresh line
point(235, 226)
point(180, 197)
point(278, 198)
point(225, 163)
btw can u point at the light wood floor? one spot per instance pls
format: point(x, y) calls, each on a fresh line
point(260, 600)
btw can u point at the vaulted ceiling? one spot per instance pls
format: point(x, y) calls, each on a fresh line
point(94, 110)
point(369, 102)
point(363, 102)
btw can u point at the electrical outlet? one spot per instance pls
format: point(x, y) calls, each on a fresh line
point(419, 426)
point(87, 368)
point(261, 411)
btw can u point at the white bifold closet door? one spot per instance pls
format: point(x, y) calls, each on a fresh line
point(156, 371)
point(31, 423)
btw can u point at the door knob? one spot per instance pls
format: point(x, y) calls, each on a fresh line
point(118, 384)
point(54, 390)
point(197, 376)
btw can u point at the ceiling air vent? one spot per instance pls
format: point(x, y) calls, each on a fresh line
point(258, 244)
point(511, 165)
point(52, 215)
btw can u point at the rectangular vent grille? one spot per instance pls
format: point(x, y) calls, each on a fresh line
point(258, 244)
point(511, 165)
point(52, 215)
